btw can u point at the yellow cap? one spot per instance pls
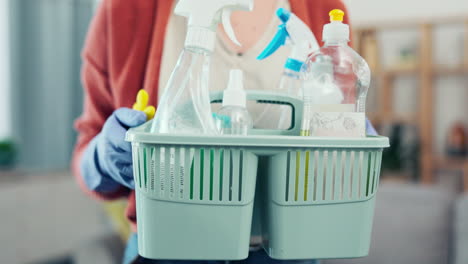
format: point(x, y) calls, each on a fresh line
point(142, 104)
point(336, 15)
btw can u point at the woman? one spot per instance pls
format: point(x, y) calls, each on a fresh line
point(134, 44)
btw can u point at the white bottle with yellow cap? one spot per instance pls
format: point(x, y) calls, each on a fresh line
point(336, 82)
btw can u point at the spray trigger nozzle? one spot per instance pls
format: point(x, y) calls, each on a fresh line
point(226, 19)
point(204, 17)
point(283, 14)
point(292, 32)
point(278, 41)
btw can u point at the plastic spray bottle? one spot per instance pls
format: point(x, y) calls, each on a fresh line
point(336, 81)
point(185, 105)
point(293, 31)
point(233, 118)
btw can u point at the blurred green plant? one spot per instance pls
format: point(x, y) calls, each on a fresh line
point(392, 159)
point(403, 154)
point(7, 154)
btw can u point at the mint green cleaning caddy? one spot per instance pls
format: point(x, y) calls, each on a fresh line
point(195, 194)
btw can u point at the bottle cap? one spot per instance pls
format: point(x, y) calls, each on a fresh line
point(336, 15)
point(235, 94)
point(336, 30)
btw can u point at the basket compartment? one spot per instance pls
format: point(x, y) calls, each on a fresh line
point(315, 197)
point(194, 202)
point(320, 203)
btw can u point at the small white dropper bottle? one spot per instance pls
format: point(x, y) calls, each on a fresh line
point(233, 118)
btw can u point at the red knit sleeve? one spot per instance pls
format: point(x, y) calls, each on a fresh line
point(98, 102)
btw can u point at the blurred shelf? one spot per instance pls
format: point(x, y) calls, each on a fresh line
point(399, 72)
point(450, 70)
point(394, 118)
point(451, 163)
point(410, 23)
point(438, 70)
point(421, 67)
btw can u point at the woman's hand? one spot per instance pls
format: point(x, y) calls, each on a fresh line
point(107, 162)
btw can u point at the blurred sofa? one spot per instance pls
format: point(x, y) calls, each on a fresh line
point(417, 224)
point(413, 224)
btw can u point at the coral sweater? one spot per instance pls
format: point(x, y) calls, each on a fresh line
point(122, 54)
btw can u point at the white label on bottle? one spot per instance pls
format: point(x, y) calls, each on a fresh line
point(337, 124)
point(341, 108)
point(162, 170)
point(181, 173)
point(172, 172)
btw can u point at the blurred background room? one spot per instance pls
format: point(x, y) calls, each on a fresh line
point(418, 54)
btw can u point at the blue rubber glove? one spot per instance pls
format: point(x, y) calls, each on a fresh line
point(370, 130)
point(107, 162)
